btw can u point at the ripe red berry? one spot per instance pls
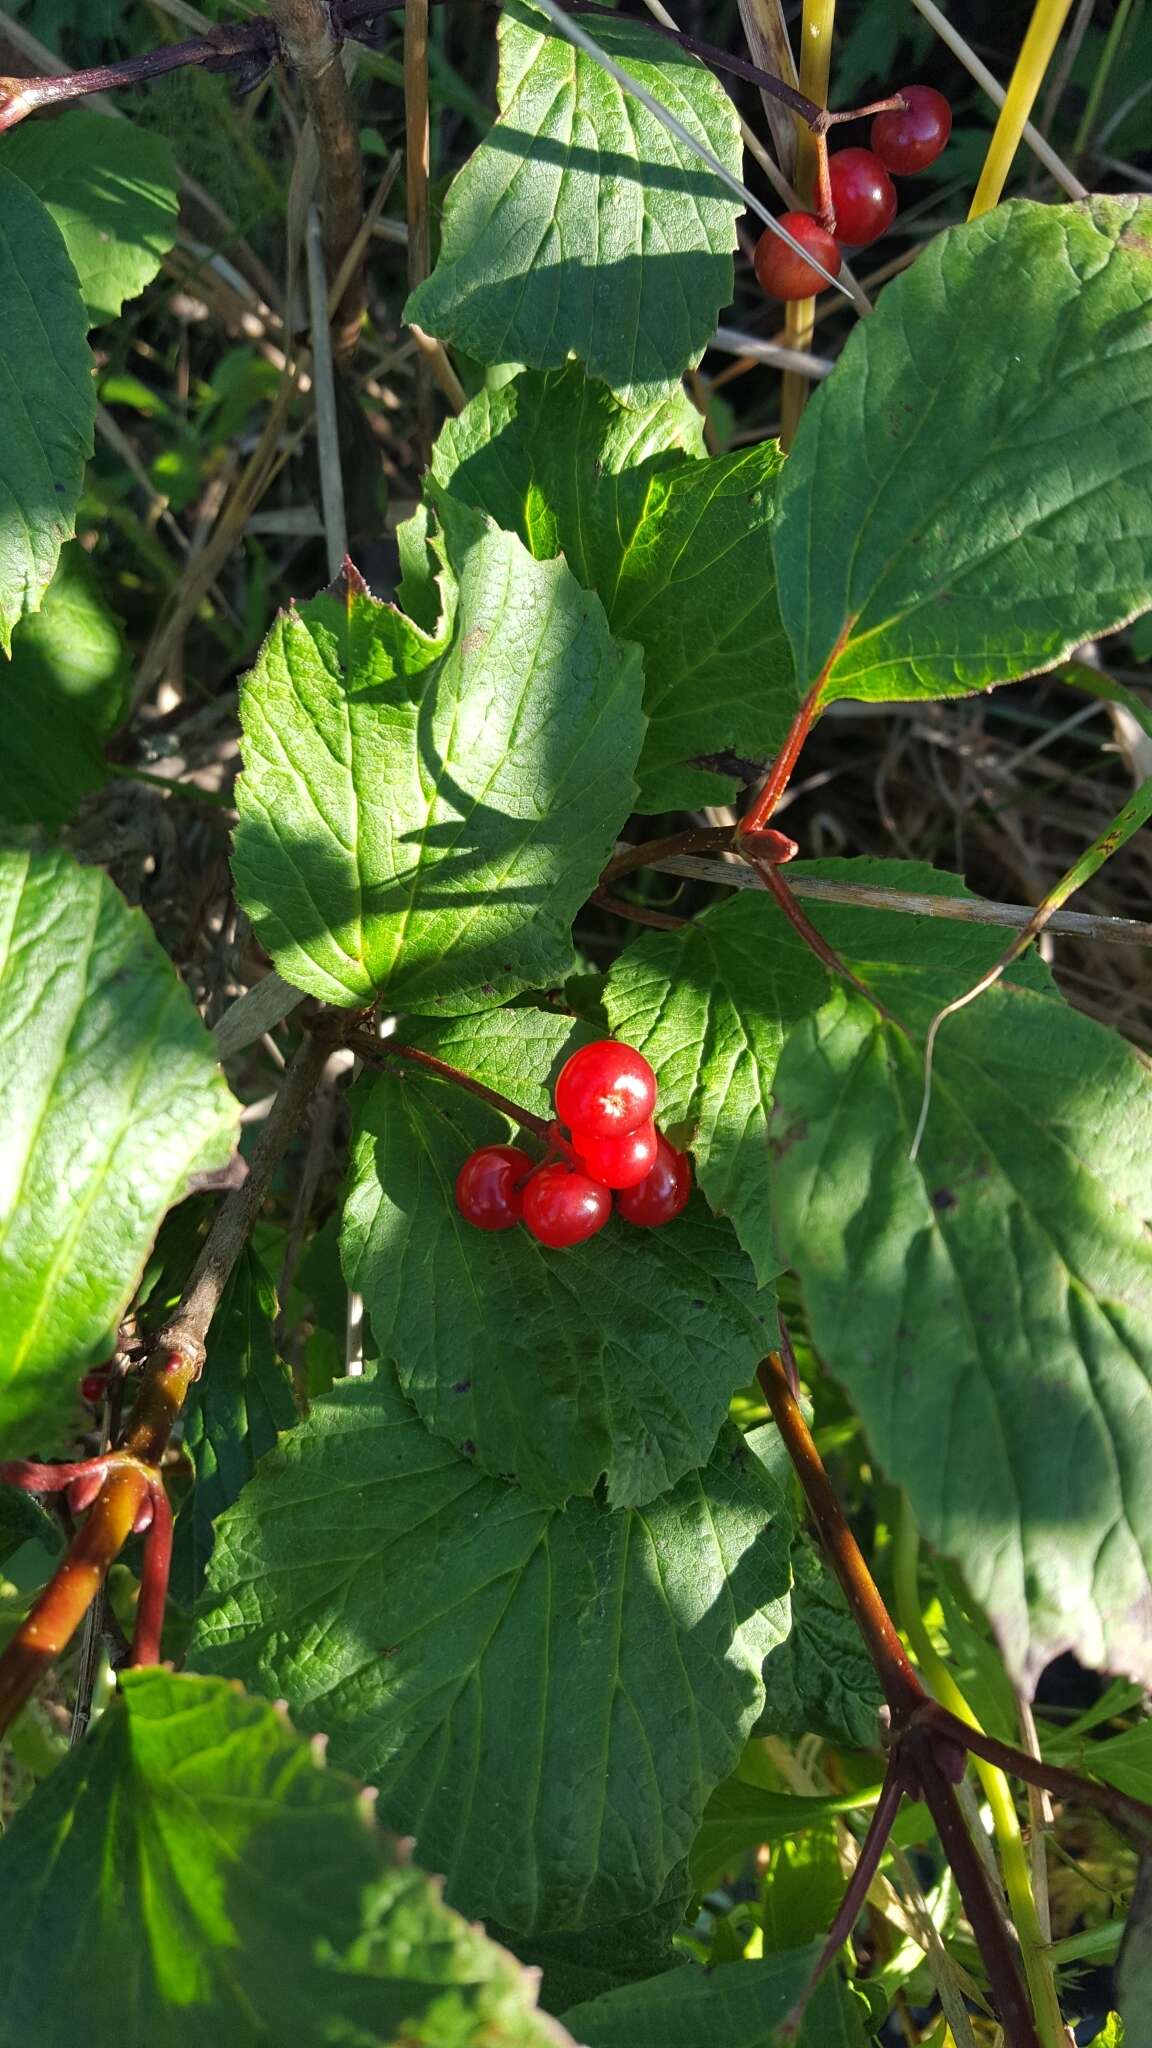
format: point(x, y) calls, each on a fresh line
point(863, 196)
point(783, 274)
point(488, 1193)
point(604, 1091)
point(563, 1207)
point(659, 1198)
point(620, 1162)
point(911, 139)
point(93, 1388)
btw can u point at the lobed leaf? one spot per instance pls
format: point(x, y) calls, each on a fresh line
point(47, 399)
point(676, 548)
point(614, 1361)
point(740, 2004)
point(580, 226)
point(112, 190)
point(110, 1098)
point(218, 1884)
point(421, 814)
point(941, 529)
point(429, 1618)
point(988, 1307)
point(820, 1681)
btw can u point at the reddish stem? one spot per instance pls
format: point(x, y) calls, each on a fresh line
point(33, 1478)
point(816, 942)
point(1122, 1809)
point(377, 1052)
point(902, 1689)
point(155, 1566)
point(698, 839)
point(638, 913)
point(780, 773)
point(61, 1607)
point(984, 1916)
point(898, 1780)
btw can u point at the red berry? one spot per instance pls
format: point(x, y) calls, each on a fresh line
point(488, 1190)
point(620, 1162)
point(563, 1207)
point(910, 139)
point(782, 273)
point(661, 1196)
point(863, 196)
point(93, 1388)
point(604, 1091)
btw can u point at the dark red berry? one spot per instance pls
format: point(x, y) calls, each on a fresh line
point(863, 196)
point(660, 1197)
point(620, 1162)
point(93, 1388)
point(911, 138)
point(783, 274)
point(488, 1190)
point(604, 1091)
point(563, 1207)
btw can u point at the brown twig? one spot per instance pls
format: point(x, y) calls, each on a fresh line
point(311, 44)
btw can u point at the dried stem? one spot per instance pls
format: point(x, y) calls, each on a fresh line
point(312, 47)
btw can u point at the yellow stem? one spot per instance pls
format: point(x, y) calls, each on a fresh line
point(1034, 1950)
point(1048, 18)
point(800, 314)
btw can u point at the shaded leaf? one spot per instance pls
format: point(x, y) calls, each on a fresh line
point(112, 190)
point(676, 549)
point(428, 1618)
point(740, 1817)
point(421, 816)
point(219, 1884)
point(48, 399)
point(821, 1680)
point(739, 2004)
point(1134, 1968)
point(233, 1414)
point(626, 1950)
point(939, 532)
point(987, 1308)
point(580, 226)
point(617, 1358)
point(110, 1097)
point(61, 694)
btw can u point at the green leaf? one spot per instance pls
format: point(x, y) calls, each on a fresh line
point(47, 397)
point(1122, 1760)
point(112, 190)
point(988, 1308)
point(421, 817)
point(1134, 1968)
point(233, 1415)
point(676, 549)
point(616, 1358)
point(740, 1817)
point(580, 226)
point(61, 694)
point(940, 531)
point(429, 1618)
point(821, 1680)
point(192, 1873)
point(738, 2004)
point(626, 1950)
point(110, 1098)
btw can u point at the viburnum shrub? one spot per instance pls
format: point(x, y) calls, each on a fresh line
point(514, 1655)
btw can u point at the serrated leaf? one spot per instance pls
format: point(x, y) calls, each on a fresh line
point(112, 190)
point(738, 2004)
point(421, 817)
point(217, 1884)
point(580, 226)
point(676, 548)
point(233, 1415)
point(988, 1308)
point(617, 1358)
point(939, 532)
point(61, 694)
point(629, 1949)
point(110, 1097)
point(47, 396)
point(429, 1618)
point(821, 1680)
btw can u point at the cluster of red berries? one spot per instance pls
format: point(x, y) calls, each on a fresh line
point(904, 140)
point(605, 1095)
